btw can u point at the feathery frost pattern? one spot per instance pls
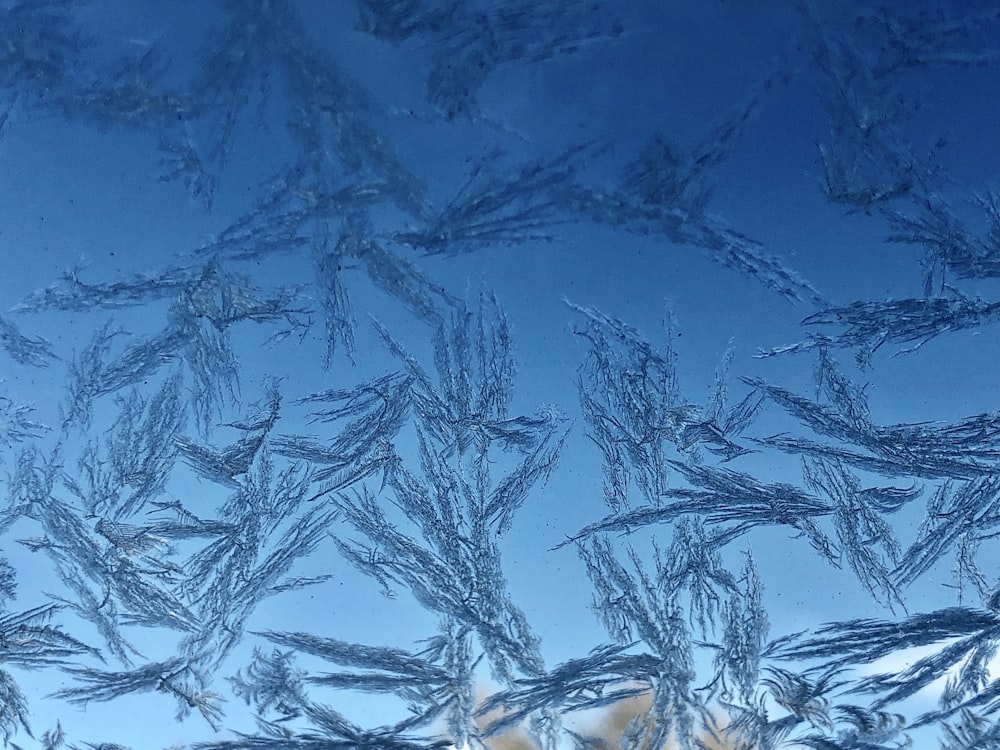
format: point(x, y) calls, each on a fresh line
point(327, 373)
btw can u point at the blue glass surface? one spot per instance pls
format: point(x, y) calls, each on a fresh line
point(464, 373)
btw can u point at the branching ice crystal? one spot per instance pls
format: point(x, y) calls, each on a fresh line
point(340, 210)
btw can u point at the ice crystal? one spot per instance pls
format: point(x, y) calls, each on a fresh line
point(316, 383)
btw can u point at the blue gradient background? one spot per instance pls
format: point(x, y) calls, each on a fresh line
point(72, 195)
